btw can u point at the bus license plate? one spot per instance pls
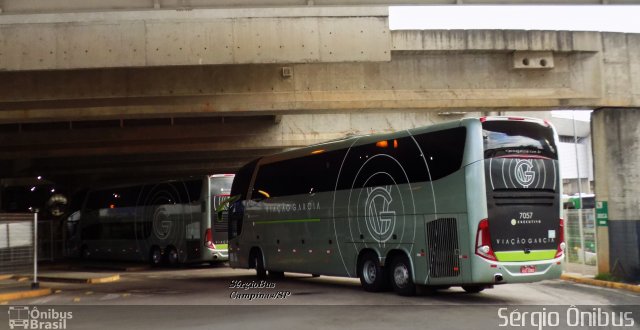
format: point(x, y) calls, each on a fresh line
point(527, 269)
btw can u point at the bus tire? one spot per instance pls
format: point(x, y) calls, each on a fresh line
point(85, 253)
point(372, 275)
point(155, 256)
point(276, 274)
point(472, 288)
point(258, 264)
point(173, 258)
point(400, 274)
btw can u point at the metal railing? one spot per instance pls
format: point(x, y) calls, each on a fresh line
point(581, 244)
point(18, 246)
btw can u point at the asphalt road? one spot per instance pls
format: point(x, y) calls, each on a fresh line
point(218, 298)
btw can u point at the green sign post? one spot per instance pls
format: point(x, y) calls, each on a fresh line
point(602, 213)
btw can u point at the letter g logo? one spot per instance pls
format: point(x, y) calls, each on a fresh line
point(524, 173)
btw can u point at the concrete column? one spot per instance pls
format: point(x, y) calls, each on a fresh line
point(616, 149)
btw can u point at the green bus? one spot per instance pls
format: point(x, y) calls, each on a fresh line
point(169, 222)
point(470, 203)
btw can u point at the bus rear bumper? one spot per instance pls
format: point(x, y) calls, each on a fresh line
point(518, 272)
point(217, 255)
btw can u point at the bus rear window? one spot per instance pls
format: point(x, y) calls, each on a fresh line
point(512, 138)
point(221, 185)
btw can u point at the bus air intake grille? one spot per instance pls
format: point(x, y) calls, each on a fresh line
point(523, 197)
point(442, 248)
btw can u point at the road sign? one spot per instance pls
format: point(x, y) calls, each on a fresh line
point(602, 213)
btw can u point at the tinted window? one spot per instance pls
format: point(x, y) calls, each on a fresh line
point(239, 190)
point(305, 175)
point(221, 185)
point(443, 150)
point(178, 192)
point(384, 162)
point(91, 232)
point(400, 160)
point(112, 198)
point(508, 137)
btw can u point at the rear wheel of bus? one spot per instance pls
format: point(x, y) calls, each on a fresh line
point(372, 275)
point(85, 253)
point(155, 256)
point(401, 280)
point(173, 259)
point(274, 274)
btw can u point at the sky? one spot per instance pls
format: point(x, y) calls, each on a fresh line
point(582, 115)
point(607, 18)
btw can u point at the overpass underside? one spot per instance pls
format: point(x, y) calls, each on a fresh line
point(91, 95)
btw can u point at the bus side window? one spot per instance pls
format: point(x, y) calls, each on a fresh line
point(443, 158)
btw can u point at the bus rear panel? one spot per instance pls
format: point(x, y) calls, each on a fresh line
point(522, 237)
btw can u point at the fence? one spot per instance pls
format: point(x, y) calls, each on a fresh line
point(581, 245)
point(17, 243)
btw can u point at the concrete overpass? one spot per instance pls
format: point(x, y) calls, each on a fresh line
point(111, 91)
point(129, 83)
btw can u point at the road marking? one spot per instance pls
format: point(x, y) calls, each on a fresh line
point(88, 293)
point(110, 296)
point(43, 300)
point(76, 299)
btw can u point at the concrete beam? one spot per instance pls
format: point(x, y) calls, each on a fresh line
point(425, 81)
point(202, 37)
point(495, 40)
point(17, 6)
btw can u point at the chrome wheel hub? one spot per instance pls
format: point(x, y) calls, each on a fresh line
point(369, 271)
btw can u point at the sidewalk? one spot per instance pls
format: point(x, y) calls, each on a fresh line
point(579, 278)
point(15, 287)
point(585, 274)
point(585, 270)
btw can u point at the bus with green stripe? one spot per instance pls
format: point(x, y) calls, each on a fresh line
point(470, 203)
point(168, 222)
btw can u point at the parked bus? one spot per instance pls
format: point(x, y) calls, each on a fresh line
point(579, 201)
point(168, 222)
point(469, 203)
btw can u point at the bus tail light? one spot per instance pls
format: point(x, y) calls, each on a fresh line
point(483, 241)
point(561, 244)
point(208, 240)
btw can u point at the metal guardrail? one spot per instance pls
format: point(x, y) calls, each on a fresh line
point(581, 244)
point(18, 246)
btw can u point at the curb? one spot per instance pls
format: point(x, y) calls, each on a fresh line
point(606, 284)
point(24, 294)
point(107, 279)
point(92, 280)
